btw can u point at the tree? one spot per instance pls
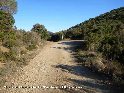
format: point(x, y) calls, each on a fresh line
point(6, 21)
point(41, 30)
point(9, 6)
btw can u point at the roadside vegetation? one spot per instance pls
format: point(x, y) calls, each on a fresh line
point(16, 45)
point(104, 43)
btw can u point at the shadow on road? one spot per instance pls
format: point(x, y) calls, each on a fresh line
point(92, 82)
point(72, 45)
point(79, 70)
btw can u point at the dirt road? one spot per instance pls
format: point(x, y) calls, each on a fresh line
point(54, 70)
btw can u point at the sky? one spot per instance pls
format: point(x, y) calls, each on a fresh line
point(57, 15)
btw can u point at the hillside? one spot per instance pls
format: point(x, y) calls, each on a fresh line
point(94, 24)
point(104, 37)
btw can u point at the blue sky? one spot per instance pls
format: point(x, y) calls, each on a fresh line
point(57, 15)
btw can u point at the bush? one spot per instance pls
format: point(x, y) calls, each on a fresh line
point(6, 21)
point(57, 36)
point(110, 47)
point(9, 39)
point(31, 47)
point(31, 38)
point(41, 30)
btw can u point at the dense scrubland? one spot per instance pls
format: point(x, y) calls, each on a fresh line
point(103, 50)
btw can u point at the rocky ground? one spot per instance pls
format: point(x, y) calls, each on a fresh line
point(54, 70)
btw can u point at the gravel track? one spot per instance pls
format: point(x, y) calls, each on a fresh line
point(54, 70)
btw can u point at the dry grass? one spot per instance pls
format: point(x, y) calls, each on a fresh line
point(14, 58)
point(4, 49)
point(97, 63)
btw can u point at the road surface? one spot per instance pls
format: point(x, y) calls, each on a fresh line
point(54, 70)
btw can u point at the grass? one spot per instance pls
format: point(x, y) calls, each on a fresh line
point(31, 47)
point(97, 63)
point(13, 62)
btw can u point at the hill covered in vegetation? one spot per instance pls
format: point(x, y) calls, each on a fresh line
point(104, 33)
point(104, 36)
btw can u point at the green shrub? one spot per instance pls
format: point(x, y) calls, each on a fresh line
point(30, 38)
point(41, 30)
point(6, 21)
point(10, 56)
point(57, 36)
point(9, 39)
point(31, 47)
point(110, 47)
